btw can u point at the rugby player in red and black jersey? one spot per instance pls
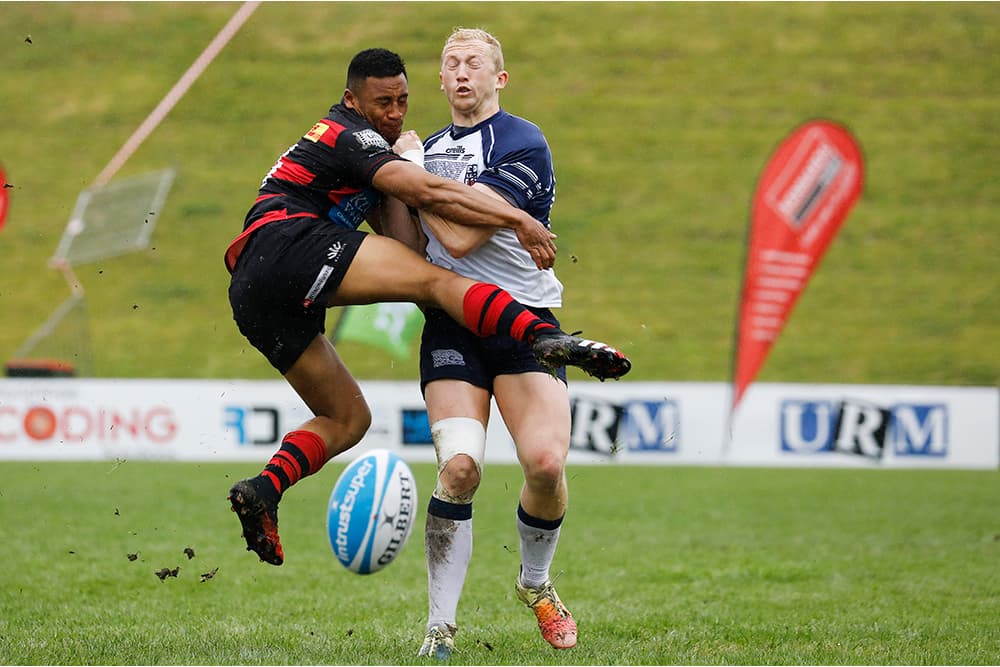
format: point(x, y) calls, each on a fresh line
point(301, 252)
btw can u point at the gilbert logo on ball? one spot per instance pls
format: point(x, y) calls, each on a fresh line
point(371, 511)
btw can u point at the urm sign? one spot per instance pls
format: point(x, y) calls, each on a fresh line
point(858, 427)
point(637, 426)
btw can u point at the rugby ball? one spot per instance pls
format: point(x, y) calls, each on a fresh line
point(371, 511)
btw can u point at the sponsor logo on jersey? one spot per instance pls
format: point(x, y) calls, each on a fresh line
point(350, 210)
point(321, 278)
point(317, 131)
point(369, 139)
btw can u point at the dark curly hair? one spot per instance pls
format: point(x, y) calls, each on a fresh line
point(379, 63)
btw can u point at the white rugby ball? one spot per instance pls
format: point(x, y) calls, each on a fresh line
point(371, 511)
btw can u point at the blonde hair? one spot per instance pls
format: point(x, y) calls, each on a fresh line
point(463, 35)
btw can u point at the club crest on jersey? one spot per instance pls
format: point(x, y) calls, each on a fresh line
point(371, 139)
point(471, 174)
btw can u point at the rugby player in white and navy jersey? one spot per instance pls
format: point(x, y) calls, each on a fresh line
point(508, 158)
point(509, 155)
point(300, 252)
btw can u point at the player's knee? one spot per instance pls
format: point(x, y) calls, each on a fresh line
point(460, 443)
point(357, 424)
point(460, 476)
point(442, 285)
point(544, 469)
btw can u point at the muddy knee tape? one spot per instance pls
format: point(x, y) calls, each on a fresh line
point(459, 435)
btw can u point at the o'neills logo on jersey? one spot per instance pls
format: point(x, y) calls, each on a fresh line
point(371, 139)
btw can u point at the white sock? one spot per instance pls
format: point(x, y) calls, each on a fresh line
point(448, 548)
point(538, 547)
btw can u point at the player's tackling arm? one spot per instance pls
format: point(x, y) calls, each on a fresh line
point(391, 218)
point(459, 240)
point(461, 204)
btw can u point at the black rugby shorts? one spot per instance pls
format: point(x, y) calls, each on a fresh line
point(282, 281)
point(449, 351)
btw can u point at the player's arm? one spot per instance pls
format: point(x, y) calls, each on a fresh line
point(393, 219)
point(458, 239)
point(461, 204)
point(374, 218)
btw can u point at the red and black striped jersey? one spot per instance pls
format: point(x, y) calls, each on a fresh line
point(327, 175)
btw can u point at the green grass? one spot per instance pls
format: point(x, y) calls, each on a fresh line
point(677, 565)
point(660, 117)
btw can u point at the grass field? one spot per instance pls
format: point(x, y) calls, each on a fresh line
point(660, 566)
point(660, 117)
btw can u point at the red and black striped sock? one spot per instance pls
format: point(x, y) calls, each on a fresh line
point(302, 453)
point(490, 310)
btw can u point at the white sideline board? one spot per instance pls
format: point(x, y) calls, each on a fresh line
point(647, 423)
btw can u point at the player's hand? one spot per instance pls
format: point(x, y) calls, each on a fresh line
point(537, 240)
point(408, 141)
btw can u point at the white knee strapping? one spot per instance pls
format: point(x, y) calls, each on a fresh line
point(459, 435)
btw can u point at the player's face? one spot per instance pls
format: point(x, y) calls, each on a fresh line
point(383, 103)
point(470, 79)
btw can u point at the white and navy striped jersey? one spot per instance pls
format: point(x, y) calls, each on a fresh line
point(510, 155)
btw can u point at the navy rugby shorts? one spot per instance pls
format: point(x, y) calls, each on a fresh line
point(282, 281)
point(449, 351)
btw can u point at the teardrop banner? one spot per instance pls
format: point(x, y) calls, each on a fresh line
point(807, 188)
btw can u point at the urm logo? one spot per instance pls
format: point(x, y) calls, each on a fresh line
point(807, 426)
point(920, 430)
point(651, 426)
point(639, 426)
point(861, 429)
point(595, 425)
point(858, 427)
